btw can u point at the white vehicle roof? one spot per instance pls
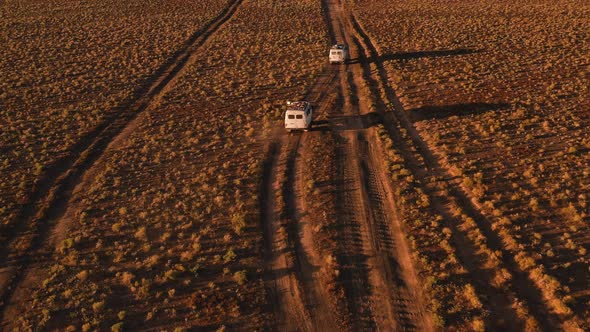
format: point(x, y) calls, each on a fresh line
point(297, 105)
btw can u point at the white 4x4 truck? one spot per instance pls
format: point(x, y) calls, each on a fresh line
point(298, 115)
point(338, 54)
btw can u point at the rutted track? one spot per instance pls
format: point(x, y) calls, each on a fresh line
point(50, 196)
point(353, 258)
point(368, 210)
point(369, 217)
point(299, 300)
point(404, 304)
point(284, 288)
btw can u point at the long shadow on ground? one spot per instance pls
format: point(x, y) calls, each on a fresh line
point(430, 112)
point(404, 56)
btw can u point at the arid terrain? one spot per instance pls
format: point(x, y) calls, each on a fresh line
point(149, 184)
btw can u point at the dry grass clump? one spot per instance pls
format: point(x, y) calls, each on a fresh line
point(499, 91)
point(168, 230)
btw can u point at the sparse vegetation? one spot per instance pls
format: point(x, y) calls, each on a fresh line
point(465, 121)
point(498, 91)
point(171, 217)
point(66, 67)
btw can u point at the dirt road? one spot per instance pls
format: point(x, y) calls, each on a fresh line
point(378, 277)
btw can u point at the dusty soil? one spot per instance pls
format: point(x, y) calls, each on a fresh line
point(193, 210)
point(43, 221)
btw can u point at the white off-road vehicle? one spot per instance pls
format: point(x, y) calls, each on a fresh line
point(298, 115)
point(338, 53)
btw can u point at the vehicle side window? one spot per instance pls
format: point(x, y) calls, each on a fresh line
point(299, 116)
point(291, 116)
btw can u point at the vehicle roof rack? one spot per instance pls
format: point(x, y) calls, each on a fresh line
point(297, 105)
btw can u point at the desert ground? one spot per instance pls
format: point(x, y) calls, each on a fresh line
point(149, 184)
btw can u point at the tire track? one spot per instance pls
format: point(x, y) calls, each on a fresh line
point(405, 308)
point(297, 294)
point(298, 298)
point(353, 255)
point(285, 289)
point(524, 288)
point(392, 254)
point(49, 199)
point(306, 263)
point(284, 293)
point(367, 231)
point(395, 302)
point(308, 260)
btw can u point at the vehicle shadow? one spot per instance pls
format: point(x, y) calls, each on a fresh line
point(320, 125)
point(431, 112)
point(404, 56)
point(347, 122)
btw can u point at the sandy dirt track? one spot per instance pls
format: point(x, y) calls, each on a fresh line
point(380, 284)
